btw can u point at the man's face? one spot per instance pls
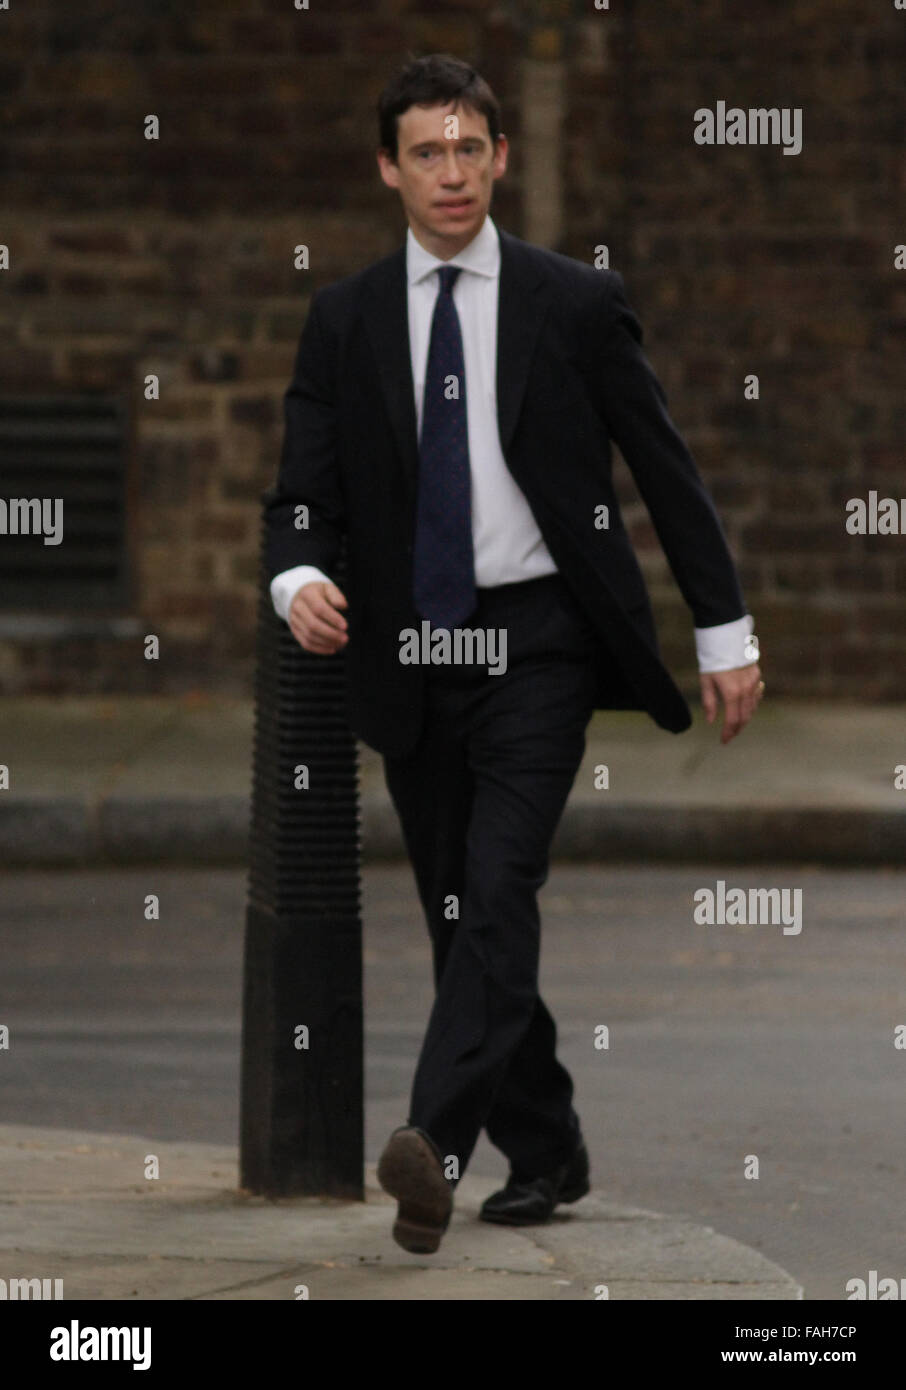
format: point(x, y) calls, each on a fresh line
point(445, 172)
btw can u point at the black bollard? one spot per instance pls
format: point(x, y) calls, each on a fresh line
point(301, 1088)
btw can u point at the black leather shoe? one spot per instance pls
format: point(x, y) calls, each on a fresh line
point(531, 1201)
point(412, 1170)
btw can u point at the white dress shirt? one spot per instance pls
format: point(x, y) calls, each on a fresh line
point(506, 542)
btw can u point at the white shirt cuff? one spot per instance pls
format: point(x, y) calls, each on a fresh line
point(726, 646)
point(286, 584)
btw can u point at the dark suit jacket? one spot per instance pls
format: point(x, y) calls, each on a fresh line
point(571, 377)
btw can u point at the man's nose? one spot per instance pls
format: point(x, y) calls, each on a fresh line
point(451, 171)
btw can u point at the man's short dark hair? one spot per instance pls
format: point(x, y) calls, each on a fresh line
point(435, 80)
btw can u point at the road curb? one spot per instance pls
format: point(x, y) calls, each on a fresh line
point(78, 1206)
point(68, 831)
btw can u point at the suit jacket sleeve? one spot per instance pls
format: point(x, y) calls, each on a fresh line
point(309, 472)
point(633, 405)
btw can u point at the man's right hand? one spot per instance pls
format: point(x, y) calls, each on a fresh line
point(315, 620)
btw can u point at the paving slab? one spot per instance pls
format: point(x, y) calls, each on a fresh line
point(76, 1206)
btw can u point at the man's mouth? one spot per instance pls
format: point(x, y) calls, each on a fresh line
point(455, 203)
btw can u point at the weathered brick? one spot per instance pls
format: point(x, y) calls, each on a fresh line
point(92, 241)
point(222, 528)
point(99, 371)
point(28, 368)
point(173, 405)
point(800, 621)
point(254, 410)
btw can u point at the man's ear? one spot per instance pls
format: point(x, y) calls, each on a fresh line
point(389, 169)
point(501, 150)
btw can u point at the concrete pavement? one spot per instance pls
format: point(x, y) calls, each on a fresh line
point(135, 779)
point(79, 1207)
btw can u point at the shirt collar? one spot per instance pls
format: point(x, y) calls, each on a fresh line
point(482, 255)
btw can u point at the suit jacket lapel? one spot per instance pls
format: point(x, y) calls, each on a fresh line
point(385, 308)
point(522, 305)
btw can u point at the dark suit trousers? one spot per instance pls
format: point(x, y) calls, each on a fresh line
point(479, 800)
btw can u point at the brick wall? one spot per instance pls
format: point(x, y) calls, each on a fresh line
point(740, 259)
point(175, 257)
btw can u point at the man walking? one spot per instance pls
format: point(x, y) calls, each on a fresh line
point(449, 423)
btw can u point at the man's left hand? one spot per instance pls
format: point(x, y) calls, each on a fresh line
point(740, 689)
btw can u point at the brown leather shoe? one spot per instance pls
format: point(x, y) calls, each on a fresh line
point(411, 1169)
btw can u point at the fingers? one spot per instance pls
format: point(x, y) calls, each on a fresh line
point(751, 699)
point(315, 621)
point(742, 691)
point(336, 597)
point(733, 717)
point(710, 701)
point(323, 618)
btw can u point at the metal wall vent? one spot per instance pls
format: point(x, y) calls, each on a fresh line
point(69, 454)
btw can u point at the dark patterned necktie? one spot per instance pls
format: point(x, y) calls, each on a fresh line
point(444, 567)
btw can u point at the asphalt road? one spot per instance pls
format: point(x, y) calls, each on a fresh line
point(725, 1041)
